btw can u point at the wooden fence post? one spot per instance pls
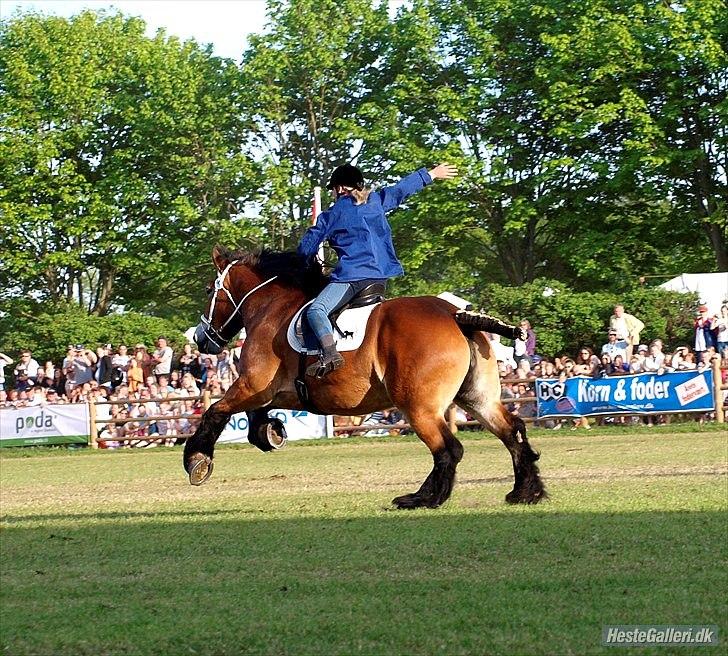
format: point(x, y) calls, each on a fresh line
point(717, 392)
point(206, 400)
point(93, 432)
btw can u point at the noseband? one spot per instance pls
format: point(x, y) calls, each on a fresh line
point(211, 333)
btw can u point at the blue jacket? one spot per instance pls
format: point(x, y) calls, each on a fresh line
point(360, 234)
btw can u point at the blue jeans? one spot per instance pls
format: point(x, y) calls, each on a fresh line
point(332, 297)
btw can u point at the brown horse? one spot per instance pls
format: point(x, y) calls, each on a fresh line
point(419, 354)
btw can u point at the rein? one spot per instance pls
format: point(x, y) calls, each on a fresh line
point(214, 334)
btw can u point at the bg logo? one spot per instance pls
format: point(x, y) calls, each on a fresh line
point(550, 391)
point(42, 420)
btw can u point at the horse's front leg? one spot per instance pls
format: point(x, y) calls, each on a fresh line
point(264, 432)
point(199, 449)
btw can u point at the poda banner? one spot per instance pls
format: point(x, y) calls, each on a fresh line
point(44, 424)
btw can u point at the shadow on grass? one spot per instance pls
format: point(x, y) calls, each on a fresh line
point(404, 583)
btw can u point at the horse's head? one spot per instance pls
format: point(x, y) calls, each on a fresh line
point(223, 316)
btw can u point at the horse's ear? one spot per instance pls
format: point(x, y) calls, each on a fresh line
point(220, 257)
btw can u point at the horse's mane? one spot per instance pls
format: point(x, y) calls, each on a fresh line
point(290, 267)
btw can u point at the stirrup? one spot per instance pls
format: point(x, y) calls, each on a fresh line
point(325, 367)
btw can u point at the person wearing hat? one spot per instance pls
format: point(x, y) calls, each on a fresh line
point(706, 330)
point(613, 348)
point(628, 329)
point(357, 230)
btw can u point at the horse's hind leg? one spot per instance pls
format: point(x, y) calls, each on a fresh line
point(511, 430)
point(447, 452)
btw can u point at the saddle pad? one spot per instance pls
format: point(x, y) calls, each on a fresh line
point(352, 320)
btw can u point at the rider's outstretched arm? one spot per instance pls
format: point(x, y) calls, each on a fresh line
point(393, 197)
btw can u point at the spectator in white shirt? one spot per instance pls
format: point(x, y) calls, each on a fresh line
point(613, 347)
point(224, 369)
point(37, 397)
point(502, 353)
point(162, 358)
point(27, 366)
point(683, 360)
point(655, 361)
point(121, 360)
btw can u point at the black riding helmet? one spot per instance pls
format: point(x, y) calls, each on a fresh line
point(346, 176)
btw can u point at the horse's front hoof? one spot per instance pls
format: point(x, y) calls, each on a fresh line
point(200, 468)
point(276, 438)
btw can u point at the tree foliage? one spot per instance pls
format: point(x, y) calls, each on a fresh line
point(565, 320)
point(48, 330)
point(591, 136)
point(120, 159)
point(304, 94)
point(570, 121)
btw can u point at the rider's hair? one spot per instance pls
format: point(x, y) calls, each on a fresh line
point(360, 196)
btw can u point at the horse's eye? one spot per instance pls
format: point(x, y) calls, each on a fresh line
point(209, 288)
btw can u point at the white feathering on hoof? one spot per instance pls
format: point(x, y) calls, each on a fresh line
point(481, 321)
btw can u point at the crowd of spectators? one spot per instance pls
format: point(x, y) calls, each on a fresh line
point(158, 392)
point(142, 384)
point(621, 354)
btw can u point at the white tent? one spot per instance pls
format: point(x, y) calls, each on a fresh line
point(712, 288)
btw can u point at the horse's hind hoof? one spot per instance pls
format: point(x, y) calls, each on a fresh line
point(414, 500)
point(200, 469)
point(520, 496)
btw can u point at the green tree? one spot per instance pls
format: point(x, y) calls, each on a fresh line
point(565, 319)
point(648, 82)
point(561, 113)
point(120, 161)
point(49, 329)
point(304, 83)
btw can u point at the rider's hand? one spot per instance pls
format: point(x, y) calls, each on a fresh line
point(443, 172)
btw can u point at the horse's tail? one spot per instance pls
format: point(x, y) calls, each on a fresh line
point(469, 320)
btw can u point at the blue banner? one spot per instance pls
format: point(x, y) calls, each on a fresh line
point(681, 391)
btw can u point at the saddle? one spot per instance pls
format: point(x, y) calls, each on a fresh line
point(349, 322)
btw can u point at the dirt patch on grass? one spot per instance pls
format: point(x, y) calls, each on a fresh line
point(225, 490)
point(606, 474)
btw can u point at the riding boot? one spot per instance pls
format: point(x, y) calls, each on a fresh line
point(329, 361)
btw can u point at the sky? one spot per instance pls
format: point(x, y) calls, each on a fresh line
point(223, 23)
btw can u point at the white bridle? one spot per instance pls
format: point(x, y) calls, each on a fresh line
point(214, 334)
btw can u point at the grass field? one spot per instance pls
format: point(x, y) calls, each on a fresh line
point(297, 552)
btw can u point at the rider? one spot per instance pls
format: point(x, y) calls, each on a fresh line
point(357, 229)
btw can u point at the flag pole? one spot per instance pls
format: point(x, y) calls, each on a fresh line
point(316, 208)
point(315, 211)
